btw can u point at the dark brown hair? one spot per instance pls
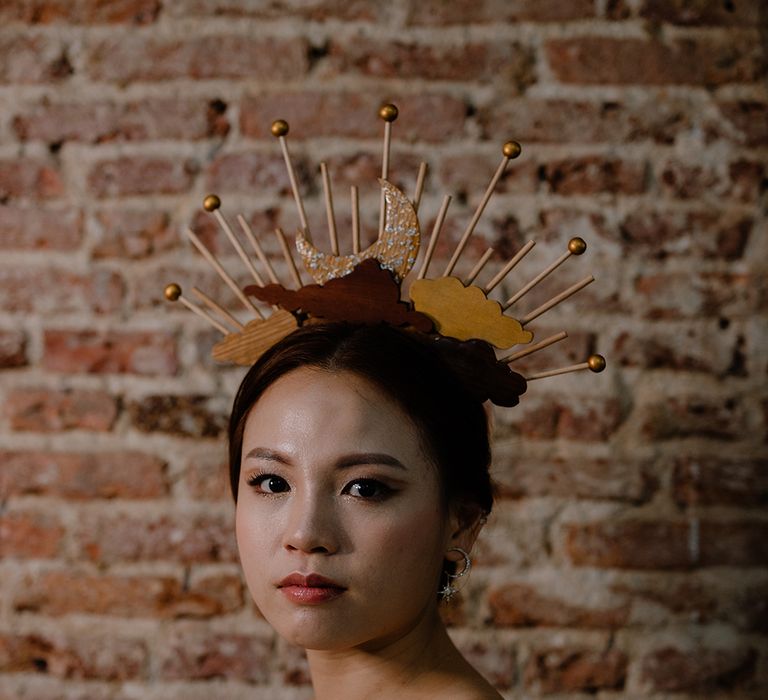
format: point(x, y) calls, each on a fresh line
point(408, 368)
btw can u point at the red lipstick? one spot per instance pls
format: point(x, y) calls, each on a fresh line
point(310, 589)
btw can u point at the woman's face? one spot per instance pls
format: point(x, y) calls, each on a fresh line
point(334, 483)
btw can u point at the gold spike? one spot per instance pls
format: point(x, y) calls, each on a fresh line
point(388, 113)
point(248, 231)
point(355, 219)
point(435, 234)
point(236, 245)
point(329, 208)
point(510, 150)
point(478, 267)
point(595, 363)
point(530, 349)
point(555, 300)
point(173, 293)
point(280, 130)
point(288, 256)
point(509, 266)
point(216, 307)
point(576, 246)
point(419, 186)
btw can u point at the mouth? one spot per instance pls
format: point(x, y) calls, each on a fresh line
point(309, 589)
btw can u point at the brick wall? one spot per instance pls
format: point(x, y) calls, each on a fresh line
point(627, 555)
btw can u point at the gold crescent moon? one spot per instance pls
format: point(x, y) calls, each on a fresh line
point(395, 250)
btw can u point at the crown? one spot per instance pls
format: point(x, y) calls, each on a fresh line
point(369, 285)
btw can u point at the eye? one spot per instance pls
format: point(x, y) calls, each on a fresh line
point(370, 489)
point(268, 483)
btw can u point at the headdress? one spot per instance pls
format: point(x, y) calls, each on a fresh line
point(367, 286)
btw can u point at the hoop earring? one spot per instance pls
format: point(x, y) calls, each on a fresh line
point(447, 592)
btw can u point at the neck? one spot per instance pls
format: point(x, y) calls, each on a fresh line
point(422, 658)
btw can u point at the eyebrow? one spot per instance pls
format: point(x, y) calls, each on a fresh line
point(344, 462)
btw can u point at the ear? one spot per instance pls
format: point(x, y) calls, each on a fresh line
point(465, 524)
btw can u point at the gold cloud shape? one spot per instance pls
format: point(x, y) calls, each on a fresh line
point(246, 346)
point(465, 313)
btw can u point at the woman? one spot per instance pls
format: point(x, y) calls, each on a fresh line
point(359, 466)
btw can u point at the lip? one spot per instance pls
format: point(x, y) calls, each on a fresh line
point(310, 589)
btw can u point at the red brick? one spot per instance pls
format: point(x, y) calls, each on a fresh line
point(699, 294)
point(207, 478)
point(134, 233)
point(49, 291)
point(110, 352)
point(252, 172)
point(588, 419)
point(709, 480)
point(40, 229)
point(88, 657)
point(463, 12)
point(188, 416)
point(315, 11)
point(138, 57)
point(227, 656)
point(28, 59)
point(468, 175)
point(704, 61)
point(510, 63)
point(680, 595)
point(30, 536)
point(521, 605)
point(719, 234)
point(748, 120)
point(57, 593)
point(701, 670)
point(45, 410)
point(704, 348)
point(560, 669)
point(594, 174)
point(132, 121)
point(639, 544)
point(80, 11)
point(598, 479)
point(134, 175)
point(701, 12)
point(29, 178)
point(13, 349)
point(677, 417)
point(121, 474)
point(740, 180)
point(423, 117)
point(188, 539)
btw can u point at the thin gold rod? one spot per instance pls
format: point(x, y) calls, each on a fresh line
point(509, 266)
point(237, 246)
point(435, 234)
point(544, 273)
point(216, 265)
point(530, 349)
point(204, 314)
point(248, 231)
point(384, 173)
point(329, 208)
point(555, 300)
point(288, 256)
point(216, 307)
point(354, 196)
point(476, 217)
point(478, 267)
point(295, 187)
point(419, 186)
point(562, 370)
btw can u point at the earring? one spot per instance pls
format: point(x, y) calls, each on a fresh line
point(447, 592)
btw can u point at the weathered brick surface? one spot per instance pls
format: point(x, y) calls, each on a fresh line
point(625, 557)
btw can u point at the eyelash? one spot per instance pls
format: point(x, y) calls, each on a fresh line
point(384, 491)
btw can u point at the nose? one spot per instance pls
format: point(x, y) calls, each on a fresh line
point(312, 526)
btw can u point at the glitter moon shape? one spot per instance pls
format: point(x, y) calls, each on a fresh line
point(395, 250)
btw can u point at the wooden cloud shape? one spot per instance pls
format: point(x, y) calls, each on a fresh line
point(395, 249)
point(465, 313)
point(246, 346)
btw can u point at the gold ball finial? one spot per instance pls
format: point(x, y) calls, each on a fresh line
point(512, 149)
point(577, 245)
point(596, 363)
point(279, 127)
point(388, 112)
point(211, 202)
point(172, 291)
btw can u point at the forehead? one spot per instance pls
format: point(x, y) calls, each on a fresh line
point(324, 413)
